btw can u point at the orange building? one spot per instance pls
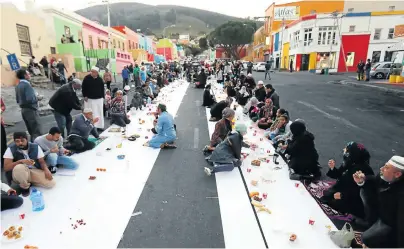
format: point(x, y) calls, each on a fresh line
point(259, 44)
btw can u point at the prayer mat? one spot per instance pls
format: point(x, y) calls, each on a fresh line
point(316, 189)
point(97, 141)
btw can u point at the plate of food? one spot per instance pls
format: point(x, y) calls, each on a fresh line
point(12, 234)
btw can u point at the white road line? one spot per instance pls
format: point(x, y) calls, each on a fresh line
point(330, 116)
point(334, 108)
point(196, 138)
point(198, 105)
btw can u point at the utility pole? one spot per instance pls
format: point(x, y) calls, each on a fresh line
point(109, 56)
point(280, 49)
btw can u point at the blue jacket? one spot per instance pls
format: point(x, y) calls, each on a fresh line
point(25, 95)
point(125, 73)
point(143, 75)
point(165, 125)
point(83, 128)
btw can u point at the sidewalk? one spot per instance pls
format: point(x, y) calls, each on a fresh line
point(390, 88)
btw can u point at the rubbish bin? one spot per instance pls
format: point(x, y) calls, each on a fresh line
point(326, 71)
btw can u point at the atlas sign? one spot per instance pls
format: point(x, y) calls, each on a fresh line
point(286, 13)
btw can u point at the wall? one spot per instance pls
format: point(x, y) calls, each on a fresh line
point(380, 5)
point(138, 55)
point(41, 43)
point(285, 56)
point(95, 31)
point(353, 43)
point(60, 24)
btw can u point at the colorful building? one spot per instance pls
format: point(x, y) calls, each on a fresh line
point(167, 48)
point(259, 44)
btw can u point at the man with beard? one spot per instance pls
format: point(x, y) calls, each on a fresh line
point(260, 91)
point(383, 198)
point(94, 93)
point(24, 164)
point(272, 95)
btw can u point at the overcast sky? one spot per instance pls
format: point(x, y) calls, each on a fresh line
point(242, 8)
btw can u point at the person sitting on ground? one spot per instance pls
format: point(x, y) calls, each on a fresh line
point(344, 195)
point(202, 77)
point(231, 92)
point(383, 198)
point(155, 88)
point(279, 113)
point(147, 92)
point(216, 110)
point(55, 155)
point(265, 120)
point(242, 78)
point(284, 134)
point(222, 128)
point(303, 156)
point(118, 111)
point(249, 82)
point(280, 129)
point(227, 154)
point(260, 91)
point(164, 126)
point(83, 126)
point(252, 109)
point(9, 198)
point(242, 96)
point(272, 94)
point(208, 99)
point(24, 164)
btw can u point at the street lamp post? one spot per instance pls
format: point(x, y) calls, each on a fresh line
point(109, 56)
point(164, 36)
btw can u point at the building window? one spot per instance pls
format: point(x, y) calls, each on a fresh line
point(376, 36)
point(295, 39)
point(99, 43)
point(391, 33)
point(350, 10)
point(24, 39)
point(307, 37)
point(53, 50)
point(352, 28)
point(67, 32)
point(114, 43)
point(90, 39)
point(388, 56)
point(376, 56)
point(392, 8)
point(130, 46)
point(123, 46)
point(327, 35)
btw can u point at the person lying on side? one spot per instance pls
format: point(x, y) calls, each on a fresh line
point(303, 156)
point(227, 154)
point(344, 195)
point(222, 129)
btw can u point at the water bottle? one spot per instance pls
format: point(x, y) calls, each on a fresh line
point(38, 203)
point(148, 101)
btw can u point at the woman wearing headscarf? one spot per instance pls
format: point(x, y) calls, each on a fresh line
point(202, 77)
point(242, 96)
point(222, 128)
point(227, 154)
point(252, 109)
point(279, 113)
point(118, 111)
point(266, 115)
point(303, 163)
point(344, 195)
point(216, 111)
point(208, 99)
point(230, 91)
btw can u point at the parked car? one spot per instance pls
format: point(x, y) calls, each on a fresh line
point(254, 66)
point(260, 67)
point(380, 70)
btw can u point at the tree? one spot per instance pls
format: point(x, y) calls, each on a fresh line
point(191, 50)
point(233, 36)
point(203, 43)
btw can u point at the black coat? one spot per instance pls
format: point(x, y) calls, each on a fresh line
point(250, 82)
point(208, 99)
point(93, 88)
point(217, 109)
point(64, 100)
point(390, 206)
point(260, 94)
point(303, 155)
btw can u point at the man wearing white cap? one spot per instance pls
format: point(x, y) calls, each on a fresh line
point(94, 93)
point(383, 198)
point(82, 127)
point(260, 92)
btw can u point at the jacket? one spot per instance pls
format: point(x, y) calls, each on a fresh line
point(273, 95)
point(65, 99)
point(260, 94)
point(228, 151)
point(125, 73)
point(83, 127)
point(222, 128)
point(93, 88)
point(25, 95)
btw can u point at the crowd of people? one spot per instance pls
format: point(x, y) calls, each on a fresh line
point(32, 161)
point(375, 202)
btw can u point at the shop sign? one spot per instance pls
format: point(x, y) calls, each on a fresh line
point(286, 13)
point(399, 31)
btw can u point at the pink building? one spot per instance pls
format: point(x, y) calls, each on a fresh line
point(132, 38)
point(95, 36)
point(123, 59)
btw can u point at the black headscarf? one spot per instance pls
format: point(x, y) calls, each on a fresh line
point(297, 128)
point(356, 153)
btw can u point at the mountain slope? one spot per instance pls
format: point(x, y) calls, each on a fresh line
point(152, 19)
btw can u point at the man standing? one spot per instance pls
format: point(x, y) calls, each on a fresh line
point(249, 67)
point(26, 99)
point(107, 79)
point(125, 76)
point(45, 64)
point(143, 75)
point(360, 70)
point(367, 69)
point(267, 70)
point(61, 69)
point(383, 198)
point(94, 93)
point(136, 74)
point(130, 68)
point(63, 101)
point(55, 154)
point(25, 165)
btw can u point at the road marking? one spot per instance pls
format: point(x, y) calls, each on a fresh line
point(330, 116)
point(196, 138)
point(198, 105)
point(334, 108)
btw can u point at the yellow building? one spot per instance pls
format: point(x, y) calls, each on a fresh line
point(25, 35)
point(259, 44)
point(118, 40)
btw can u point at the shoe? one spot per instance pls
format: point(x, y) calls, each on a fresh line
point(168, 146)
point(25, 192)
point(208, 171)
point(52, 169)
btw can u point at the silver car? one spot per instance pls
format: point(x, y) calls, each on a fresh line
point(380, 70)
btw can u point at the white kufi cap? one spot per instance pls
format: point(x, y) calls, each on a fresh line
point(397, 161)
point(87, 110)
point(94, 68)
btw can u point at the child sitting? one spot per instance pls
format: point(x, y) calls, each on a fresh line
point(107, 102)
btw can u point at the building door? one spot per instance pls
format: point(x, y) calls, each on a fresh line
point(277, 62)
point(304, 63)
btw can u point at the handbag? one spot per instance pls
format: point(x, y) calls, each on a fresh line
point(343, 238)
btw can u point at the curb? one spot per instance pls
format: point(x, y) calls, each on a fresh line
point(395, 92)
